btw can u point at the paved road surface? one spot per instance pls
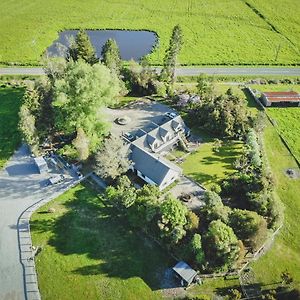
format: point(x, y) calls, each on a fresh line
point(20, 187)
point(255, 71)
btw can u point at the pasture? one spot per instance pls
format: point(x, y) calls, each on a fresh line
point(284, 254)
point(10, 101)
point(215, 32)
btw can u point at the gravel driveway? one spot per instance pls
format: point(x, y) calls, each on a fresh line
point(20, 187)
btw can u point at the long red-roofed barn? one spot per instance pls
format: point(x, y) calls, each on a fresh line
point(280, 98)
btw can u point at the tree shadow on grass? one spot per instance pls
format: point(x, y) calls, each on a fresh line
point(89, 227)
point(203, 178)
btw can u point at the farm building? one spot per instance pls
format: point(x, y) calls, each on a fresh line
point(280, 99)
point(185, 273)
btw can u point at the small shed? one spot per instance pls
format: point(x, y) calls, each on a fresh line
point(185, 273)
point(41, 164)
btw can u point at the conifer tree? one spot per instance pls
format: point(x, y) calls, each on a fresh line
point(82, 48)
point(171, 57)
point(111, 56)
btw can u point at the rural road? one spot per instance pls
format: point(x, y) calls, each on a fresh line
point(255, 71)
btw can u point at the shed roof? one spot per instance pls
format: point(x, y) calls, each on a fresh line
point(185, 271)
point(282, 96)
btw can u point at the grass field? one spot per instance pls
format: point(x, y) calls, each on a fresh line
point(215, 32)
point(284, 255)
point(208, 167)
point(90, 253)
point(10, 101)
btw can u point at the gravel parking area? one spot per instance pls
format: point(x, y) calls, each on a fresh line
point(140, 113)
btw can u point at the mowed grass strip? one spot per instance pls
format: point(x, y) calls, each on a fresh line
point(207, 166)
point(215, 32)
point(89, 252)
point(10, 101)
point(284, 254)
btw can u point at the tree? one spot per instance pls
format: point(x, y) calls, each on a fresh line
point(82, 48)
point(123, 195)
point(253, 149)
point(173, 219)
point(171, 56)
point(204, 86)
point(79, 96)
point(112, 158)
point(28, 129)
point(214, 207)
point(141, 80)
point(225, 115)
point(233, 294)
point(248, 226)
point(222, 244)
point(192, 221)
point(196, 245)
point(81, 143)
point(286, 278)
point(111, 56)
point(146, 206)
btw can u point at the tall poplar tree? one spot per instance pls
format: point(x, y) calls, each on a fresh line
point(171, 56)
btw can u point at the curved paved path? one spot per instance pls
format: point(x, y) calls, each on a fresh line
point(255, 71)
point(20, 187)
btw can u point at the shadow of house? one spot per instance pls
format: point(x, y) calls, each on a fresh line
point(22, 169)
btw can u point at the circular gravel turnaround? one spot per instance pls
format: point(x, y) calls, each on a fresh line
point(123, 120)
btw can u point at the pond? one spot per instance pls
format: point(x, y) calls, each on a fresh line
point(133, 44)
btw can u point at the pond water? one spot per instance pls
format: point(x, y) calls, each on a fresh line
point(133, 44)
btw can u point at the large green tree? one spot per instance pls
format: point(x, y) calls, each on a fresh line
point(214, 207)
point(250, 227)
point(82, 48)
point(123, 194)
point(171, 56)
point(112, 158)
point(222, 244)
point(146, 206)
point(225, 115)
point(173, 219)
point(79, 97)
point(111, 56)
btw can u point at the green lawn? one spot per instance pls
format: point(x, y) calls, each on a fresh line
point(91, 253)
point(10, 101)
point(215, 32)
point(284, 255)
point(211, 287)
point(207, 167)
